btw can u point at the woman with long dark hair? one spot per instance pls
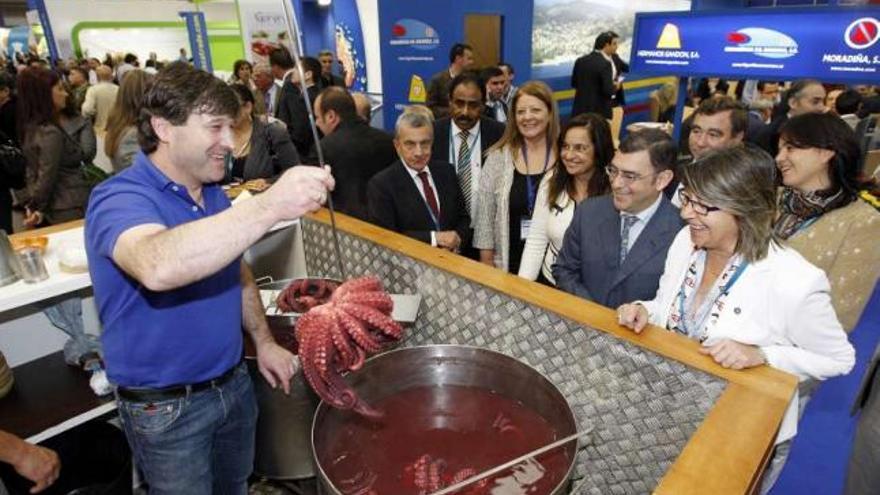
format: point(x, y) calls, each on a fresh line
point(56, 143)
point(585, 148)
point(828, 211)
point(261, 149)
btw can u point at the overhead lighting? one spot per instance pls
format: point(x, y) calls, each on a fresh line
point(324, 3)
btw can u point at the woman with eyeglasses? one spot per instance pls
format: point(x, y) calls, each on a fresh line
point(826, 210)
point(585, 148)
point(730, 285)
point(511, 175)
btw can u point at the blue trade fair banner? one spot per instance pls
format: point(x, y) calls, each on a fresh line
point(415, 39)
point(829, 44)
point(198, 40)
point(349, 38)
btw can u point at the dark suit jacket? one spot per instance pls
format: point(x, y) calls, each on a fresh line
point(490, 132)
point(768, 137)
point(292, 111)
point(355, 152)
point(588, 264)
point(591, 80)
point(396, 204)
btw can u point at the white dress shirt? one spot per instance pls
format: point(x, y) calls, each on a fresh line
point(642, 219)
point(476, 161)
point(415, 177)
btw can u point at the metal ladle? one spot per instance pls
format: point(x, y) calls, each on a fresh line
point(297, 53)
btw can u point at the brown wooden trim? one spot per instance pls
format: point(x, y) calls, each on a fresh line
point(52, 229)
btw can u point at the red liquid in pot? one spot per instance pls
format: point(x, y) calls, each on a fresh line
point(432, 437)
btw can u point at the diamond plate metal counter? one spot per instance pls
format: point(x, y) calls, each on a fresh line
point(643, 407)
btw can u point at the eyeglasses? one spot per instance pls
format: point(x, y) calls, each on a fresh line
point(626, 177)
point(699, 208)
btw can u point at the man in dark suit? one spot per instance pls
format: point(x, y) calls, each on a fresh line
point(461, 57)
point(418, 197)
point(803, 96)
point(291, 106)
point(495, 82)
point(615, 248)
point(863, 474)
point(463, 138)
point(595, 78)
point(354, 150)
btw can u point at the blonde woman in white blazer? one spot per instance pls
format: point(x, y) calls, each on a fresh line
point(729, 284)
point(585, 149)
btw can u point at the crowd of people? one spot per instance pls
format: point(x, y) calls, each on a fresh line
point(753, 236)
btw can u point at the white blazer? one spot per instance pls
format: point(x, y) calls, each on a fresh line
point(781, 304)
point(546, 233)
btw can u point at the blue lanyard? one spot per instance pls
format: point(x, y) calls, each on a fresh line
point(532, 189)
point(724, 291)
point(453, 156)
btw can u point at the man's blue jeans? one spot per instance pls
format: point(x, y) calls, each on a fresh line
point(202, 443)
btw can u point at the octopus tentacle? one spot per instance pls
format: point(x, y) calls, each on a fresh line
point(363, 284)
point(374, 318)
point(358, 332)
point(374, 299)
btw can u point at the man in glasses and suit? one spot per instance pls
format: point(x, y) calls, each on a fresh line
point(615, 248)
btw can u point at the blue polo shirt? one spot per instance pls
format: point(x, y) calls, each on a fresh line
point(157, 339)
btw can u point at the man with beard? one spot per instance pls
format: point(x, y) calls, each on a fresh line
point(462, 139)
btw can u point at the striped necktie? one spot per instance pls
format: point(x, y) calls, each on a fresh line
point(463, 167)
point(628, 222)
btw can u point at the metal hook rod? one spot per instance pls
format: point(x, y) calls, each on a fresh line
point(509, 464)
point(297, 53)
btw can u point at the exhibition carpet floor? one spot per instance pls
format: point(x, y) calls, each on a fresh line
point(820, 451)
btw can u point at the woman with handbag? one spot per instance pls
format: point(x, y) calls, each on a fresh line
point(58, 144)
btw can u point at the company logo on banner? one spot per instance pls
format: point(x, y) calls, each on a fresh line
point(762, 42)
point(668, 49)
point(414, 33)
point(862, 33)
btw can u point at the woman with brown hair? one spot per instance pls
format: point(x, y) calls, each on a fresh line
point(731, 285)
point(121, 140)
point(511, 174)
point(56, 144)
point(827, 211)
point(585, 149)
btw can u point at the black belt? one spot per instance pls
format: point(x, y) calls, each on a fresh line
point(174, 391)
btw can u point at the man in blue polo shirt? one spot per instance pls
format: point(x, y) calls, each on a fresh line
point(164, 248)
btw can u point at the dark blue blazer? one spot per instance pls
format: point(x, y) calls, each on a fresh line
point(589, 266)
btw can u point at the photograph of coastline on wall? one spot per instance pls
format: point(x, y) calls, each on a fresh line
point(564, 30)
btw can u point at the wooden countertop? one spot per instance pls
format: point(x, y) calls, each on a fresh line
point(727, 453)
